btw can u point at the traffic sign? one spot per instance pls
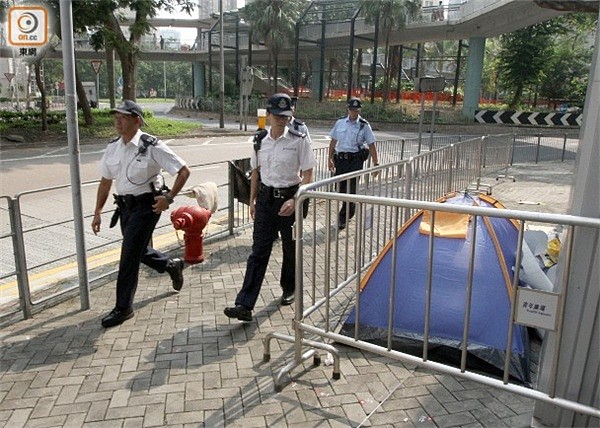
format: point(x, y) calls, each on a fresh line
point(96, 64)
point(431, 84)
point(9, 76)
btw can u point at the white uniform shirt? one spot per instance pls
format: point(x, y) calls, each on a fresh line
point(282, 160)
point(349, 135)
point(131, 170)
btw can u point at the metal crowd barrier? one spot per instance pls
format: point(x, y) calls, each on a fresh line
point(331, 264)
point(44, 245)
point(425, 175)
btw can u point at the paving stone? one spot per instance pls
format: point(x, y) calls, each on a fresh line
point(97, 411)
point(487, 418)
point(355, 413)
point(454, 420)
point(46, 422)
point(125, 412)
point(70, 408)
point(68, 394)
point(463, 406)
point(43, 407)
point(42, 392)
point(392, 417)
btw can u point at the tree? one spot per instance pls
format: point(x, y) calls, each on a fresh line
point(567, 68)
point(522, 57)
point(536, 55)
point(104, 19)
point(392, 16)
point(273, 22)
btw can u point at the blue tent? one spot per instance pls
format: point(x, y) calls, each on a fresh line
point(495, 248)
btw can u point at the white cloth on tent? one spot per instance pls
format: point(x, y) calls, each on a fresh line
point(531, 273)
point(207, 196)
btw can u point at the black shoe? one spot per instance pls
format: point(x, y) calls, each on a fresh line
point(239, 312)
point(341, 226)
point(175, 271)
point(287, 298)
point(117, 316)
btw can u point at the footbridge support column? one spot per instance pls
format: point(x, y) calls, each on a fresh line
point(317, 76)
point(473, 77)
point(199, 74)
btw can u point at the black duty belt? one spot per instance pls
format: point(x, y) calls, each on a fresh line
point(347, 155)
point(279, 193)
point(131, 201)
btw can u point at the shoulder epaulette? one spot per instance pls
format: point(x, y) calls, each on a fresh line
point(258, 137)
point(342, 117)
point(114, 140)
point(297, 123)
point(363, 120)
point(148, 140)
point(297, 133)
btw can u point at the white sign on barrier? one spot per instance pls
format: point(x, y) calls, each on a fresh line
point(537, 308)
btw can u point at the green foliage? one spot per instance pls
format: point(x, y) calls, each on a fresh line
point(553, 56)
point(274, 23)
point(522, 56)
point(28, 124)
point(567, 74)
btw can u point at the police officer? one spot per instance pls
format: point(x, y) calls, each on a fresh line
point(134, 161)
point(282, 161)
point(348, 137)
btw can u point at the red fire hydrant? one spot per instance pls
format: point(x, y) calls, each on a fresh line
point(192, 220)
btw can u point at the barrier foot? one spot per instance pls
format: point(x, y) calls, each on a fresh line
point(291, 366)
point(297, 361)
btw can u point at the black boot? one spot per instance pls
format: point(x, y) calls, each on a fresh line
point(117, 316)
point(175, 270)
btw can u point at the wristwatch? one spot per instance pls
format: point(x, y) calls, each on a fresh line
point(169, 198)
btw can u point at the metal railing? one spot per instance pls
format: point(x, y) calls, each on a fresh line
point(43, 268)
point(331, 265)
point(43, 244)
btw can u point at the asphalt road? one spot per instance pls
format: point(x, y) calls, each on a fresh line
point(40, 178)
point(26, 169)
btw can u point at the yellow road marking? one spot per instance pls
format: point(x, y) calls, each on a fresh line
point(53, 275)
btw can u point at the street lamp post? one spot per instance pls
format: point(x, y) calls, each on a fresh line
point(222, 55)
point(165, 79)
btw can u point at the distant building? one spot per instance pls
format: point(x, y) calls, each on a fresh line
point(207, 7)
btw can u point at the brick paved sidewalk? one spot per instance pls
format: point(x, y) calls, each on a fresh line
point(181, 362)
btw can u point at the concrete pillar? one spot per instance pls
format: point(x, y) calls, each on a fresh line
point(473, 77)
point(199, 79)
point(316, 79)
point(578, 369)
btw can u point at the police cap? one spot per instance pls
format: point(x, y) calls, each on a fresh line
point(354, 104)
point(129, 107)
point(280, 105)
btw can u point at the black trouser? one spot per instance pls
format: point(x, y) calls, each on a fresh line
point(137, 222)
point(345, 163)
point(267, 224)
